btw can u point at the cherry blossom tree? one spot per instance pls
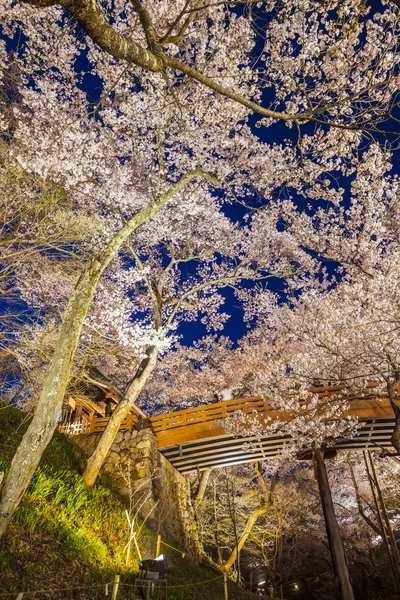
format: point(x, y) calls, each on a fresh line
point(44, 239)
point(49, 403)
point(343, 329)
point(161, 290)
point(230, 508)
point(351, 86)
point(288, 542)
point(153, 131)
point(358, 320)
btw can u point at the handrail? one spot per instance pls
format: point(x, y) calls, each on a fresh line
point(99, 424)
point(219, 410)
point(207, 412)
point(213, 412)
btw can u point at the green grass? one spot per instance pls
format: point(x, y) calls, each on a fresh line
point(61, 523)
point(65, 534)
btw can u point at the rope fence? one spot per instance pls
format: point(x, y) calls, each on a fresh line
point(160, 542)
point(101, 590)
point(182, 585)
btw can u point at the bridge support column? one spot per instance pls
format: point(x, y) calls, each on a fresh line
point(339, 561)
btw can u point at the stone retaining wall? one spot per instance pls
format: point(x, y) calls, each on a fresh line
point(149, 484)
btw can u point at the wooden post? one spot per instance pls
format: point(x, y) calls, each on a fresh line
point(251, 580)
point(115, 588)
point(226, 597)
point(78, 413)
point(332, 528)
point(158, 547)
point(129, 421)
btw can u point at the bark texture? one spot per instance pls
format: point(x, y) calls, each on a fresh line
point(153, 58)
point(95, 24)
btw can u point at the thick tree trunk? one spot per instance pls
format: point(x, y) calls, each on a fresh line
point(95, 462)
point(332, 528)
point(48, 409)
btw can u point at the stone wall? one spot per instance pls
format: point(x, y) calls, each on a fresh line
point(149, 485)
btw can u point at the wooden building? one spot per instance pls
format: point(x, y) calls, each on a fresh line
point(89, 406)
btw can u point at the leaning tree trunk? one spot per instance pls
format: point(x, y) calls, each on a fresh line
point(95, 462)
point(332, 528)
point(251, 521)
point(395, 404)
point(48, 409)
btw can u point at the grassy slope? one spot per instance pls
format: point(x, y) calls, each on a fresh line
point(65, 534)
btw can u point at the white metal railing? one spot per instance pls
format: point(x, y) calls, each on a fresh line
point(75, 428)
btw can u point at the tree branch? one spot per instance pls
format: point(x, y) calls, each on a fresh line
point(94, 23)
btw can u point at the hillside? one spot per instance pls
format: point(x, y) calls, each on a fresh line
point(65, 535)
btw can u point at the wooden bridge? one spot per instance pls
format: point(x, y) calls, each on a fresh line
point(195, 439)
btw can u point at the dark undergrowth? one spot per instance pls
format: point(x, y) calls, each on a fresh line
point(66, 535)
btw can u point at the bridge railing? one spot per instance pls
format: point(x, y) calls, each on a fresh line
point(208, 412)
point(219, 410)
point(99, 424)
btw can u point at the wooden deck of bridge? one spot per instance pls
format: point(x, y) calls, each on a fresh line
point(195, 439)
point(204, 422)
